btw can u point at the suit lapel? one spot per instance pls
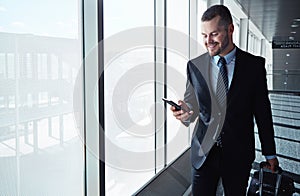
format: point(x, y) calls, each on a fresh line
point(207, 75)
point(205, 68)
point(233, 89)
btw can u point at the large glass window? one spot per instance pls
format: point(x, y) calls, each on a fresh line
point(177, 57)
point(41, 148)
point(129, 95)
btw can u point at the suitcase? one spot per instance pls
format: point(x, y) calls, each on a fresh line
point(266, 183)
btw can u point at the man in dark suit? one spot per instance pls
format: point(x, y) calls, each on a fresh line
point(226, 92)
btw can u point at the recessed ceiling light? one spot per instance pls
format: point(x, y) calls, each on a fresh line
point(293, 32)
point(294, 25)
point(297, 19)
point(287, 54)
point(286, 63)
point(291, 38)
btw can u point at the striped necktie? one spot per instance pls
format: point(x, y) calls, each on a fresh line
point(222, 83)
point(222, 89)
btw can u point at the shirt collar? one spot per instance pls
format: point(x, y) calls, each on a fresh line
point(228, 57)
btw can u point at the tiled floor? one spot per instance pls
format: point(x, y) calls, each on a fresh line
point(286, 118)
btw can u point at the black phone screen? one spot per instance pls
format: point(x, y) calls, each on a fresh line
point(172, 103)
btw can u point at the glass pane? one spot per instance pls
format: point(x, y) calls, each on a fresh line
point(177, 58)
point(129, 95)
point(41, 149)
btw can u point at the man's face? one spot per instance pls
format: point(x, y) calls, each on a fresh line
point(217, 39)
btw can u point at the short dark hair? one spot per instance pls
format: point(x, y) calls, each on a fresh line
point(218, 10)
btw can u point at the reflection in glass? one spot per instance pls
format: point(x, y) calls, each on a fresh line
point(129, 95)
point(177, 134)
point(41, 151)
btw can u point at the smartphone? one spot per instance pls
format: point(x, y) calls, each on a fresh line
point(172, 103)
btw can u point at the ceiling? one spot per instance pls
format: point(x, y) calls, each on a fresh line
point(277, 19)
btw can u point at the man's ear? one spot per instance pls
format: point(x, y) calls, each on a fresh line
point(231, 28)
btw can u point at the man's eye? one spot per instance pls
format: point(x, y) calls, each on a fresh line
point(214, 34)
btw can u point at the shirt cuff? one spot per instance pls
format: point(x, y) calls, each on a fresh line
point(268, 157)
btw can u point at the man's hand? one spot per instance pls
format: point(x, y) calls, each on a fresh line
point(273, 164)
point(182, 115)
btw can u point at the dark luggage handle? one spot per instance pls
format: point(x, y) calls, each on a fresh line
point(263, 168)
point(265, 164)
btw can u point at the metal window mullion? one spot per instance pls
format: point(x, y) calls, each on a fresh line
point(160, 82)
point(101, 98)
point(90, 78)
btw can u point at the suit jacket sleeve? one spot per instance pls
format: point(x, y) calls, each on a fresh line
point(262, 111)
point(190, 98)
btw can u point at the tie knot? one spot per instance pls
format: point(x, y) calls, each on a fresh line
point(222, 61)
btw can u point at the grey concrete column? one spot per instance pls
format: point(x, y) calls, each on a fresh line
point(50, 126)
point(244, 25)
point(214, 2)
point(263, 47)
point(35, 136)
point(61, 129)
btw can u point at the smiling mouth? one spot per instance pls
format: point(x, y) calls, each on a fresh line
point(212, 45)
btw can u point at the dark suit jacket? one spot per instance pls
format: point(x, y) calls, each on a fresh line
point(247, 99)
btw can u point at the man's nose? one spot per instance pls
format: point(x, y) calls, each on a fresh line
point(209, 39)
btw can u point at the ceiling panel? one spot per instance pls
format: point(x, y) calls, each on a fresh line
point(274, 17)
